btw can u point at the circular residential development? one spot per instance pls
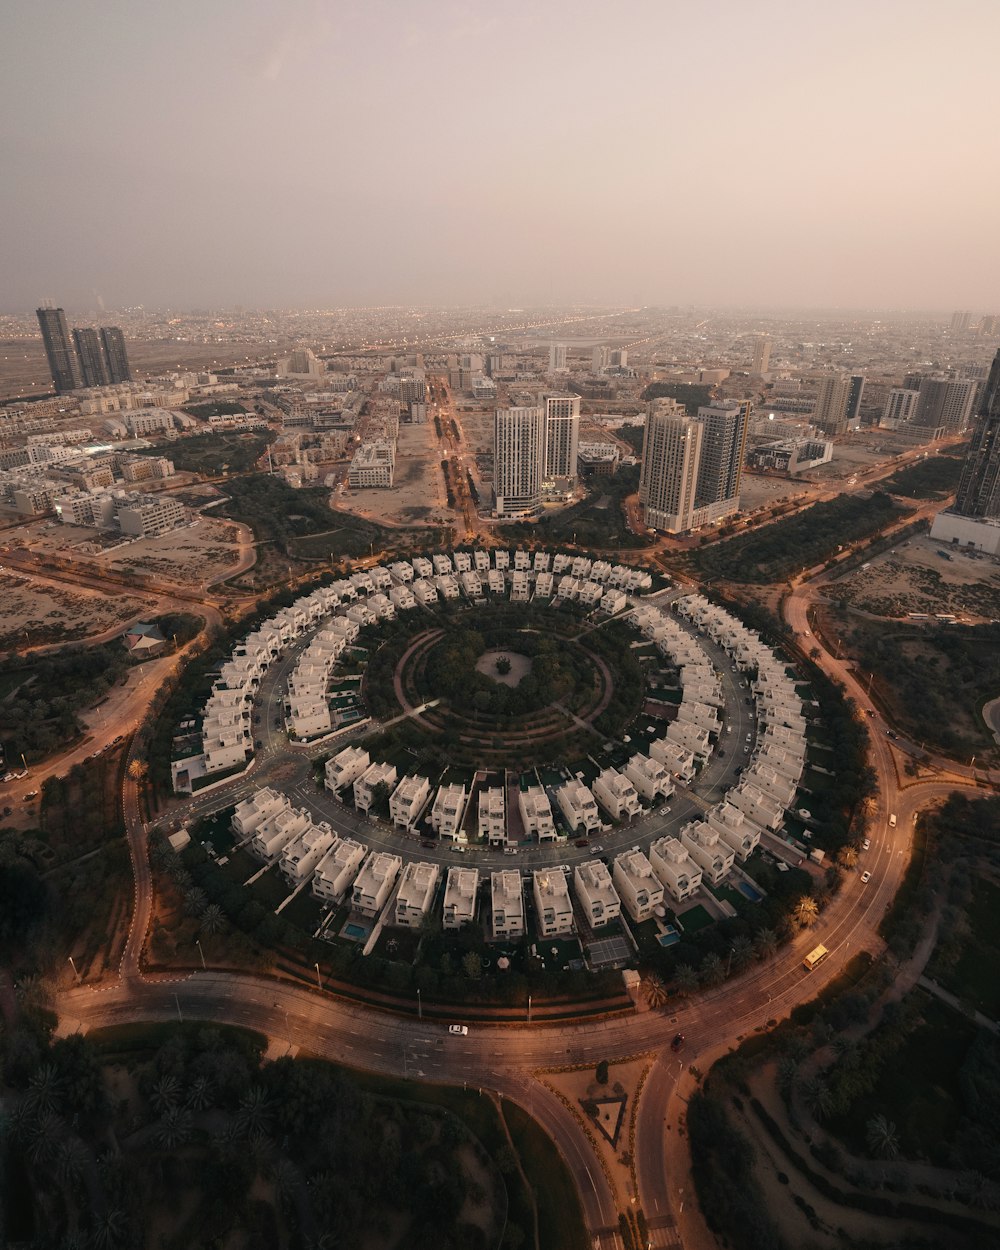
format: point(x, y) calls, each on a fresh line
point(606, 755)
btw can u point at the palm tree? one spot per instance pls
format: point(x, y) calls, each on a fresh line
point(254, 1115)
point(806, 911)
point(45, 1089)
point(111, 1230)
point(137, 770)
point(70, 1160)
point(765, 943)
point(713, 970)
point(817, 1097)
point(742, 953)
point(166, 1093)
point(847, 856)
point(882, 1137)
point(47, 1133)
point(199, 1095)
point(686, 979)
point(175, 1128)
point(654, 991)
point(195, 901)
point(213, 920)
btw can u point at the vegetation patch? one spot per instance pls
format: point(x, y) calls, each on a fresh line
point(212, 454)
point(775, 552)
point(933, 478)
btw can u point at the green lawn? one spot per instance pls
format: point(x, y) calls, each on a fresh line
point(695, 919)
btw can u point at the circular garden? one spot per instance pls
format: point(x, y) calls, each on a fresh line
point(574, 686)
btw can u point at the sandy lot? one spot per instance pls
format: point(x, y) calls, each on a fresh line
point(914, 578)
point(758, 491)
point(192, 556)
point(36, 611)
point(418, 495)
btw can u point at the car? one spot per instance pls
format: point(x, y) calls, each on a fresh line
point(258, 745)
point(664, 811)
point(746, 750)
point(458, 1030)
point(32, 794)
point(865, 878)
point(596, 849)
point(428, 846)
point(678, 1041)
point(869, 711)
point(510, 850)
point(866, 845)
point(720, 751)
point(458, 850)
point(581, 842)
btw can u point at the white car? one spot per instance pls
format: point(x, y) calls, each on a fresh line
point(865, 878)
point(458, 1030)
point(664, 811)
point(866, 845)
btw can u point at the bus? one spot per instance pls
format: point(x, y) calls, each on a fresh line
point(815, 956)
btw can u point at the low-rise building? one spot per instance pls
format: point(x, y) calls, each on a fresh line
point(408, 800)
point(493, 815)
point(507, 902)
point(375, 775)
point(374, 882)
point(252, 812)
point(461, 894)
point(344, 768)
point(274, 833)
point(447, 812)
point(578, 806)
point(674, 867)
point(337, 869)
point(713, 856)
point(649, 777)
point(301, 856)
point(415, 893)
point(638, 886)
point(553, 909)
point(536, 813)
point(596, 893)
point(616, 794)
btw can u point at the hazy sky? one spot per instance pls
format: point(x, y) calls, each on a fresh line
point(328, 152)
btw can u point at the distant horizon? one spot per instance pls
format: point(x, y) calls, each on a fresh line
point(778, 155)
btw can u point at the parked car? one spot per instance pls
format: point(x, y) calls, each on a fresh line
point(866, 845)
point(596, 849)
point(865, 878)
point(677, 1042)
point(458, 1030)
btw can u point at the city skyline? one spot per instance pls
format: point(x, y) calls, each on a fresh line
point(738, 200)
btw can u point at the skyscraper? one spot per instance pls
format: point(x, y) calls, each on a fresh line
point(518, 459)
point(671, 450)
point(93, 366)
point(946, 403)
point(557, 358)
point(761, 354)
point(58, 349)
point(901, 406)
point(115, 354)
point(562, 434)
point(838, 401)
point(979, 487)
point(600, 358)
point(720, 469)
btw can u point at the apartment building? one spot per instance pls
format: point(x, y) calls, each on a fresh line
point(507, 905)
point(553, 909)
point(447, 812)
point(415, 893)
point(461, 893)
point(493, 815)
point(375, 775)
point(344, 768)
point(596, 893)
point(672, 863)
point(638, 886)
point(336, 871)
point(616, 794)
point(536, 813)
point(650, 778)
point(578, 806)
point(408, 800)
point(374, 882)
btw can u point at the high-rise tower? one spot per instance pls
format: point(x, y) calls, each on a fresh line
point(115, 354)
point(518, 458)
point(720, 471)
point(671, 451)
point(979, 487)
point(761, 354)
point(93, 366)
point(562, 436)
point(59, 349)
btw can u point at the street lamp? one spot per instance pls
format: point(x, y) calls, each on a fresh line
point(529, 1008)
point(73, 965)
point(201, 953)
point(319, 983)
point(420, 1007)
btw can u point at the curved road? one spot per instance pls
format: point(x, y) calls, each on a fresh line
point(505, 1058)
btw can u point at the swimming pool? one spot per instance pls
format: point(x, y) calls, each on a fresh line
point(752, 894)
point(669, 937)
point(356, 931)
